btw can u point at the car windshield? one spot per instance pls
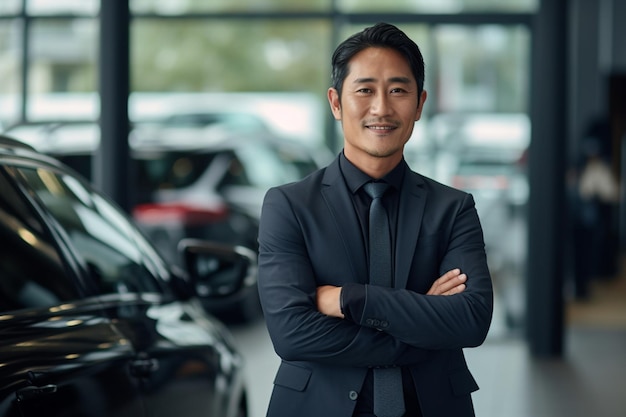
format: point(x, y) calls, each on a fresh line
point(117, 255)
point(32, 273)
point(170, 170)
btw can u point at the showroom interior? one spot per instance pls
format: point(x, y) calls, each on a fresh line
point(556, 66)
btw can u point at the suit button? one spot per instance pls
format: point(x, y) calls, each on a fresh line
point(354, 395)
point(369, 322)
point(384, 324)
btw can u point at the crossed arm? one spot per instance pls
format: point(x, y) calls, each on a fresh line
point(305, 320)
point(328, 296)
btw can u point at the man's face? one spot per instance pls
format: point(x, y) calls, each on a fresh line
point(378, 107)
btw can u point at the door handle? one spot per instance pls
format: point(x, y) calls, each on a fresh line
point(32, 391)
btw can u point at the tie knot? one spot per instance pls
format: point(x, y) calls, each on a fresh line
point(376, 189)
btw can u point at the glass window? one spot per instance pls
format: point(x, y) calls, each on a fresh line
point(32, 273)
point(440, 6)
point(76, 7)
point(63, 61)
point(10, 73)
point(10, 7)
point(169, 7)
point(482, 68)
point(230, 55)
point(119, 259)
point(472, 68)
point(480, 128)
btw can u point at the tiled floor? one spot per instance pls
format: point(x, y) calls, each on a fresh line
point(590, 379)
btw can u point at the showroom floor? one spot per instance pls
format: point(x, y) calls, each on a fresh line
point(589, 380)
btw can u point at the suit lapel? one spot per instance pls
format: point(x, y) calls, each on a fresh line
point(345, 219)
point(411, 212)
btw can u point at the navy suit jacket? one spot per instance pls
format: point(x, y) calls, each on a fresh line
point(310, 236)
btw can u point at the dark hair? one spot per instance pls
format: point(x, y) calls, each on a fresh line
point(381, 35)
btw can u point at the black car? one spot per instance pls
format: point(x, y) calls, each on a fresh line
point(193, 177)
point(93, 322)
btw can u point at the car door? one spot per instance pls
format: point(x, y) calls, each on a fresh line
point(60, 355)
point(183, 361)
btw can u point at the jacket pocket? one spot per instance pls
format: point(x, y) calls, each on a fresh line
point(292, 376)
point(462, 382)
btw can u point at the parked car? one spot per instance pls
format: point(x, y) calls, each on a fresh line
point(494, 175)
point(486, 155)
point(93, 321)
point(193, 178)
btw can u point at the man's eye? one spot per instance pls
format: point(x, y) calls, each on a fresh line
point(397, 90)
point(364, 90)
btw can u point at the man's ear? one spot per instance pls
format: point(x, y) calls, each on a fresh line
point(420, 105)
point(335, 103)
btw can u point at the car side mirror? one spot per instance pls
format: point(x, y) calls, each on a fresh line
point(216, 269)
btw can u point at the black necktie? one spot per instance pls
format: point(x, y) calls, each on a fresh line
point(388, 396)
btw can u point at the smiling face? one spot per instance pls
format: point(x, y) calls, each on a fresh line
point(378, 109)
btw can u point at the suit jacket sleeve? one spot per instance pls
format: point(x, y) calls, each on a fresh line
point(287, 288)
point(440, 322)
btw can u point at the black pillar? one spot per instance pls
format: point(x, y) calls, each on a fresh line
point(23, 116)
point(546, 215)
point(111, 163)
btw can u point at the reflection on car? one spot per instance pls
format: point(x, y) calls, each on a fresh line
point(94, 322)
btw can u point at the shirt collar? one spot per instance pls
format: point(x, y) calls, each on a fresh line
point(355, 178)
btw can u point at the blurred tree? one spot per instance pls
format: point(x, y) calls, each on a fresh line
point(230, 55)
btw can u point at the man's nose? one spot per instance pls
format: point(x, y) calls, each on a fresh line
point(380, 105)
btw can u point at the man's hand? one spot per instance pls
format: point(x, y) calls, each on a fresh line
point(328, 300)
point(452, 282)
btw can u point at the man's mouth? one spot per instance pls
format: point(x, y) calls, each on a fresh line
point(381, 128)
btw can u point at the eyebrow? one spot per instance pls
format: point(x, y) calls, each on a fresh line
point(402, 80)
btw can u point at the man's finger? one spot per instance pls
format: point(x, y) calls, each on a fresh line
point(453, 283)
point(445, 278)
point(456, 290)
point(448, 282)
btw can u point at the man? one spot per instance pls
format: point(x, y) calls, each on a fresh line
point(332, 328)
